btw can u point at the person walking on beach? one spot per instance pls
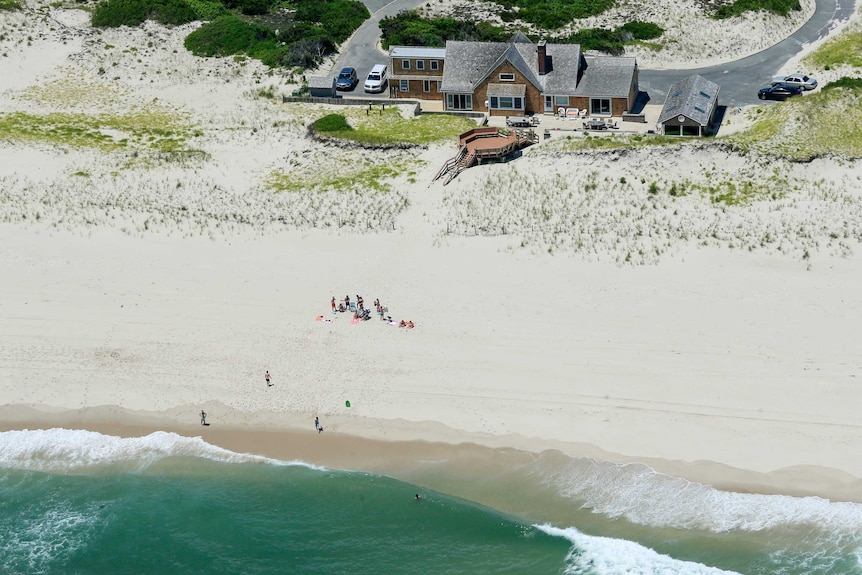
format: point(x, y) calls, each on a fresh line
point(203, 417)
point(267, 378)
point(317, 424)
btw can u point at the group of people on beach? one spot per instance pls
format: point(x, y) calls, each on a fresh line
point(361, 313)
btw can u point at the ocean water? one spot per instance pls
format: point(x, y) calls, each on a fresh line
point(78, 502)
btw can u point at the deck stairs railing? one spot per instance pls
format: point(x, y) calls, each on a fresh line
point(451, 163)
point(462, 165)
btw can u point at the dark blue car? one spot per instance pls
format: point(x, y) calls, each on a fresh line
point(779, 92)
point(347, 79)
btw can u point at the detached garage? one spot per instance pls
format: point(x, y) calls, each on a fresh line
point(689, 109)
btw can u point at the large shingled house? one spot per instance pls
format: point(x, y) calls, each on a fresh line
point(514, 78)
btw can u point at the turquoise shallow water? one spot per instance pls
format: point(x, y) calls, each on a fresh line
point(77, 502)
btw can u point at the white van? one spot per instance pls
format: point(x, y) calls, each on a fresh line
point(376, 80)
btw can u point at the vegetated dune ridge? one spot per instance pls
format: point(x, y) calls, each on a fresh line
point(676, 304)
point(691, 39)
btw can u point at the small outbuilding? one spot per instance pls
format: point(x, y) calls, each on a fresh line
point(322, 86)
point(690, 106)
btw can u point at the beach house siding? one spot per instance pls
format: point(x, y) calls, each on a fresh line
point(416, 72)
point(519, 86)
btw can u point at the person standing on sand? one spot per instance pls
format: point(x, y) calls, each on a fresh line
point(333, 304)
point(317, 424)
point(267, 378)
point(203, 417)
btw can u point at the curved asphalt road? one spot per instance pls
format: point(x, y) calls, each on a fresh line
point(739, 80)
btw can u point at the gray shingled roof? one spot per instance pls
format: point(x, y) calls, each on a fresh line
point(693, 97)
point(565, 63)
point(520, 38)
point(467, 63)
point(606, 76)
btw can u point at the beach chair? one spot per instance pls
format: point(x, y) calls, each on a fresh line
point(353, 306)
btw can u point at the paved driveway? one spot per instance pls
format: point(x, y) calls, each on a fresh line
point(362, 50)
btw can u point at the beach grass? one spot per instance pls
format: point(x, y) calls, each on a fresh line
point(341, 174)
point(608, 142)
point(807, 127)
point(843, 50)
point(388, 127)
point(152, 129)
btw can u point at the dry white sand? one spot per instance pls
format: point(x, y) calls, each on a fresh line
point(558, 305)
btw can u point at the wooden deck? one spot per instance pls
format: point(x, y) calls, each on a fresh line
point(493, 143)
point(484, 144)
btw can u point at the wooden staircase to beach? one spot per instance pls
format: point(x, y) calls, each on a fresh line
point(454, 165)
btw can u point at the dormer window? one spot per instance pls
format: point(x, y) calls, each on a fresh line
point(507, 77)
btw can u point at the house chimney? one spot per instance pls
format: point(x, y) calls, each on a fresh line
point(543, 58)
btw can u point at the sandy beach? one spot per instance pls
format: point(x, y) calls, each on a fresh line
point(137, 287)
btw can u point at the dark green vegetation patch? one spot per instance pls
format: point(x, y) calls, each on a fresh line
point(738, 7)
point(411, 29)
point(551, 14)
point(301, 36)
point(332, 123)
point(408, 28)
point(113, 13)
point(613, 41)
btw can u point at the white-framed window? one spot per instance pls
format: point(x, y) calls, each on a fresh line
point(404, 85)
point(420, 64)
point(507, 103)
point(561, 101)
point(434, 64)
point(439, 83)
point(507, 77)
point(405, 64)
point(426, 85)
point(459, 101)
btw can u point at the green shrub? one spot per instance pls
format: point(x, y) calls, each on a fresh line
point(250, 7)
point(553, 14)
point(738, 7)
point(113, 13)
point(602, 39)
point(228, 35)
point(332, 123)
point(9, 5)
point(408, 28)
point(207, 9)
point(641, 30)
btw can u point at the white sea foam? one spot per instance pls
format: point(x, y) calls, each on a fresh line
point(57, 450)
point(643, 496)
point(33, 544)
point(606, 556)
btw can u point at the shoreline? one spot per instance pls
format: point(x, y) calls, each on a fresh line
point(398, 458)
